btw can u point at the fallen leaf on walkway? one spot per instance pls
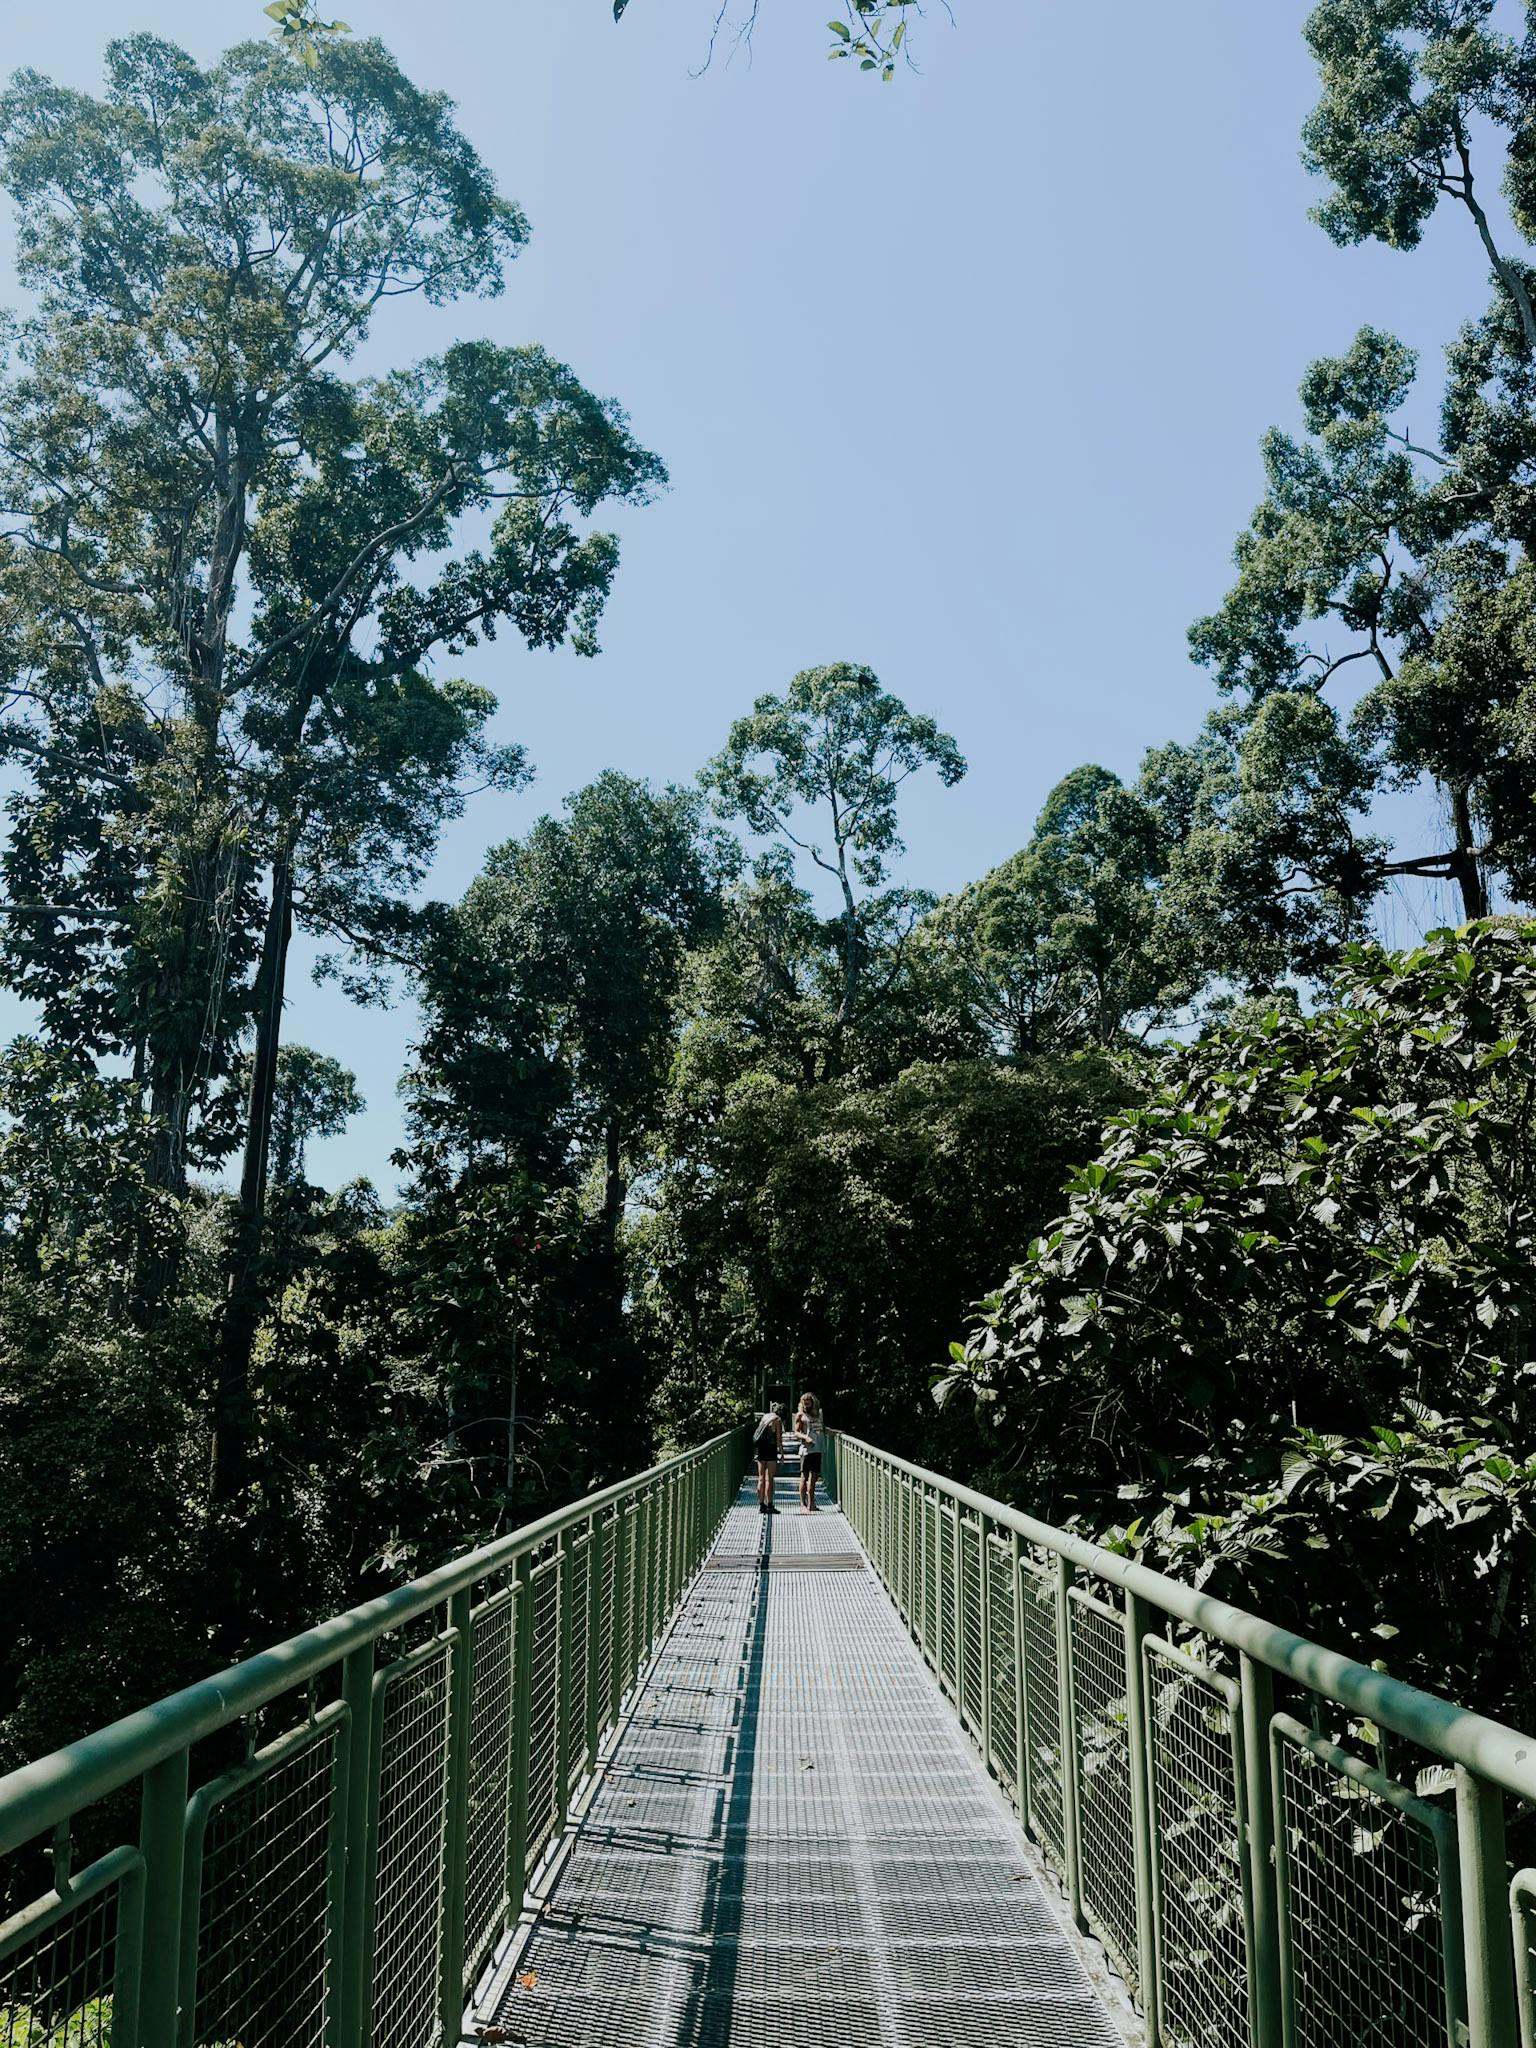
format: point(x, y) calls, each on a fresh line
point(528, 1979)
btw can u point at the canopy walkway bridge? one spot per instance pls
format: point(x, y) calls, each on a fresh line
point(922, 1773)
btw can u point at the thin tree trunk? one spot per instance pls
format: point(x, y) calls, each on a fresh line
point(1466, 872)
point(230, 1472)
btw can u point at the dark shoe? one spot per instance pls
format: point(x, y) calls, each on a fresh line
point(770, 1511)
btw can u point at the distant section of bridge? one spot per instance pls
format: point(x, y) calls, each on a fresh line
point(656, 1770)
point(792, 1842)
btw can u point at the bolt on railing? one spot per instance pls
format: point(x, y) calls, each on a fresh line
point(1216, 1794)
point(323, 1846)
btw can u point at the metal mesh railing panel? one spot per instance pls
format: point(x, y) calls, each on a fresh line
point(608, 1648)
point(544, 1710)
point(972, 1676)
point(657, 1563)
point(1106, 1829)
point(413, 1804)
point(1362, 1908)
point(264, 1958)
point(1042, 1696)
point(56, 1978)
point(576, 1625)
point(1197, 1832)
point(931, 1585)
point(948, 1594)
point(1002, 1674)
point(486, 1899)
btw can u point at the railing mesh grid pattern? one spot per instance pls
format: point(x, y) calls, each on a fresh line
point(1042, 1701)
point(352, 1875)
point(1362, 1878)
point(578, 1628)
point(607, 1644)
point(971, 1671)
point(263, 1937)
point(1197, 1826)
point(544, 1709)
point(947, 1593)
point(413, 1786)
point(486, 1893)
point(1003, 1673)
point(56, 1983)
point(1105, 1824)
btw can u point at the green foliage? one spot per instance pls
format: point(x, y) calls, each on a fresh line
point(839, 746)
point(591, 917)
point(88, 2026)
point(872, 34)
point(834, 1233)
point(1295, 1285)
point(1064, 945)
point(298, 27)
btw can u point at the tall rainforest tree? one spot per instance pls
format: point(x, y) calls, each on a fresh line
point(592, 916)
point(1378, 636)
point(838, 746)
point(1062, 947)
point(228, 568)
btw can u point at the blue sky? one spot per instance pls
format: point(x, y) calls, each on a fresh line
point(961, 376)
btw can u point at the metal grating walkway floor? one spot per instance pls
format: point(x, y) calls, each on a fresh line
point(793, 1843)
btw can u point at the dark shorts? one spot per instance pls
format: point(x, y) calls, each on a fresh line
point(810, 1461)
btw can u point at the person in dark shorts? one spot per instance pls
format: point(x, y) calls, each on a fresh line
point(767, 1442)
point(809, 1430)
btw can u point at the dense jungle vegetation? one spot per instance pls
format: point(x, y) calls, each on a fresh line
point(709, 1091)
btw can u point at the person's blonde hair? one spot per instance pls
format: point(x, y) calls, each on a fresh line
point(809, 1405)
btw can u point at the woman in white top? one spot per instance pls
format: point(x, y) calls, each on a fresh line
point(809, 1431)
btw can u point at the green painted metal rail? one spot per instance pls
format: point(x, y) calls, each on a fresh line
point(1279, 1847)
point(323, 1846)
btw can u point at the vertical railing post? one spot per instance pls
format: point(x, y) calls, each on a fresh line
point(597, 1566)
point(1067, 1713)
point(162, 1835)
point(1491, 2017)
point(1020, 1683)
point(1138, 1626)
point(354, 1967)
point(1258, 1711)
point(522, 1735)
point(456, 1828)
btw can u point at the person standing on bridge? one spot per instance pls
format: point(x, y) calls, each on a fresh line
point(809, 1431)
point(767, 1443)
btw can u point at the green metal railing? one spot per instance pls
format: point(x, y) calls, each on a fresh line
point(323, 1846)
point(1279, 1847)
